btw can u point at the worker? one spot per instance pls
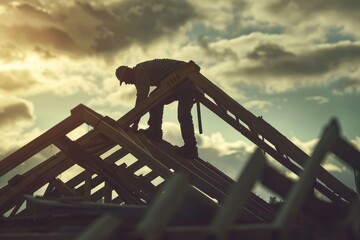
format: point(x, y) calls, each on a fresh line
point(151, 73)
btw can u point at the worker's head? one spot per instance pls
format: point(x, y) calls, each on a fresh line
point(124, 74)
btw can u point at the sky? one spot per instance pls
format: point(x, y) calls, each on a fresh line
point(293, 62)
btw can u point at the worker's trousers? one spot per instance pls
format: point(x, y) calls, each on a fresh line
point(185, 96)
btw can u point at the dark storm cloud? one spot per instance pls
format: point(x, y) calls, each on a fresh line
point(36, 12)
point(14, 111)
point(268, 52)
point(348, 9)
point(312, 6)
point(81, 28)
point(143, 22)
point(274, 60)
point(16, 80)
point(50, 37)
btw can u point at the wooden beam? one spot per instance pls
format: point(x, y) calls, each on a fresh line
point(103, 228)
point(169, 198)
point(303, 186)
point(111, 129)
point(117, 155)
point(63, 189)
point(180, 165)
point(39, 143)
point(87, 185)
point(347, 152)
point(96, 165)
point(269, 133)
point(238, 196)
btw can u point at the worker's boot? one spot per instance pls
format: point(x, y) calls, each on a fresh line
point(153, 134)
point(187, 151)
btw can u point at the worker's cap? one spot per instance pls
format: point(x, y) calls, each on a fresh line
point(120, 73)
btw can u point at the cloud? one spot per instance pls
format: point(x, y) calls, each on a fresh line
point(122, 96)
point(60, 76)
point(297, 15)
point(348, 85)
point(257, 104)
point(218, 16)
point(269, 52)
point(318, 99)
point(276, 69)
point(274, 60)
point(228, 156)
point(15, 81)
point(79, 28)
point(217, 141)
point(308, 146)
point(9, 52)
point(348, 9)
point(16, 116)
point(14, 111)
point(331, 167)
point(275, 63)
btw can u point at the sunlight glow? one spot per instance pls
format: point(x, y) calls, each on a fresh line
point(31, 62)
point(2, 9)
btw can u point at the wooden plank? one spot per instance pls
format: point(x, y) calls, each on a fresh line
point(37, 236)
point(238, 196)
point(169, 198)
point(144, 189)
point(134, 137)
point(243, 231)
point(151, 176)
point(303, 186)
point(352, 219)
point(315, 208)
point(39, 143)
point(94, 164)
point(195, 166)
point(41, 174)
point(347, 152)
point(103, 228)
point(94, 182)
point(135, 166)
point(276, 182)
point(110, 128)
point(48, 169)
point(111, 159)
point(214, 177)
point(209, 185)
point(108, 192)
point(87, 185)
point(171, 160)
point(32, 181)
point(63, 189)
point(16, 208)
point(269, 133)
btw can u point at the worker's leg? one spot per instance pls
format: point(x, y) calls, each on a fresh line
point(186, 101)
point(156, 117)
point(154, 130)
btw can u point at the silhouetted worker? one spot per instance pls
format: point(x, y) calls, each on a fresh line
point(151, 73)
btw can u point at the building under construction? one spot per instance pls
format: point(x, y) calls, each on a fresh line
point(173, 197)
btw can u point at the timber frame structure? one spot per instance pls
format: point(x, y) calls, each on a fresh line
point(177, 198)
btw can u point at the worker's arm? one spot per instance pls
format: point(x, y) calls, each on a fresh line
point(142, 84)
